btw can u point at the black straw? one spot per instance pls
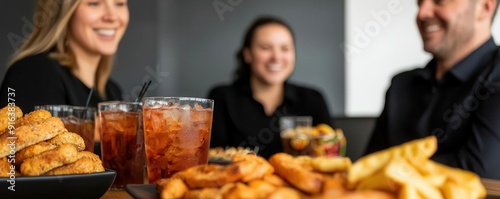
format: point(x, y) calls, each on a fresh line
point(88, 98)
point(145, 87)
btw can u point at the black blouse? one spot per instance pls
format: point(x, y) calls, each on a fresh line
point(40, 80)
point(240, 120)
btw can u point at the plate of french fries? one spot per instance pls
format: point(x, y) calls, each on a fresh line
point(404, 171)
point(39, 157)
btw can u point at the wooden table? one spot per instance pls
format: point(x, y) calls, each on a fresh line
point(117, 194)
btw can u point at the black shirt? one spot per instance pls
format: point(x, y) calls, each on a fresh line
point(240, 120)
point(40, 80)
point(462, 110)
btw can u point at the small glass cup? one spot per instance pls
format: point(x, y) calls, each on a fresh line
point(296, 134)
point(176, 134)
point(122, 141)
point(76, 119)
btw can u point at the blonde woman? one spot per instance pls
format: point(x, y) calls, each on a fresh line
point(68, 55)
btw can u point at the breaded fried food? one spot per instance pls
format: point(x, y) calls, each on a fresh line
point(62, 138)
point(252, 167)
point(5, 117)
point(46, 161)
point(68, 138)
point(30, 134)
point(87, 163)
point(33, 117)
point(285, 192)
point(239, 190)
point(171, 188)
point(205, 193)
point(32, 151)
point(288, 168)
point(4, 167)
point(203, 176)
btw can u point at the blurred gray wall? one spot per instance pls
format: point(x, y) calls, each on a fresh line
point(186, 47)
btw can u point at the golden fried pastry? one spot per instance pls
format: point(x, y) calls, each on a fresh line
point(4, 167)
point(238, 191)
point(46, 161)
point(171, 188)
point(87, 163)
point(262, 188)
point(252, 167)
point(335, 185)
point(367, 194)
point(331, 164)
point(30, 134)
point(62, 138)
point(205, 193)
point(285, 193)
point(275, 180)
point(68, 138)
point(287, 167)
point(6, 117)
point(33, 117)
point(203, 176)
point(32, 151)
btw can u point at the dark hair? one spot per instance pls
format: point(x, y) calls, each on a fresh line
point(242, 73)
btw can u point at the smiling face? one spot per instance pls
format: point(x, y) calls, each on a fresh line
point(446, 25)
point(97, 26)
point(271, 55)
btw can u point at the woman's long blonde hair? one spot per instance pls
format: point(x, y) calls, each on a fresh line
point(51, 22)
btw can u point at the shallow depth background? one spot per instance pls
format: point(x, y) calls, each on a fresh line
point(187, 47)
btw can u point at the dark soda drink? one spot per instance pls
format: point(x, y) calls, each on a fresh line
point(176, 138)
point(122, 147)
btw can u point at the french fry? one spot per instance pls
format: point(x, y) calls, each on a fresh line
point(419, 149)
point(408, 192)
point(331, 164)
point(467, 179)
point(378, 181)
point(430, 173)
point(404, 173)
point(451, 189)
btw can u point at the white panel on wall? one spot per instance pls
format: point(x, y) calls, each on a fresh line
point(382, 40)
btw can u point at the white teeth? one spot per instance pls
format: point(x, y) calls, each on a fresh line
point(432, 28)
point(106, 32)
point(274, 67)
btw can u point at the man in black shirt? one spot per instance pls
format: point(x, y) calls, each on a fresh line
point(456, 96)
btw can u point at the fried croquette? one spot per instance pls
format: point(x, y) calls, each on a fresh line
point(46, 161)
point(32, 151)
point(6, 117)
point(33, 117)
point(30, 134)
point(4, 167)
point(83, 165)
point(62, 138)
point(68, 138)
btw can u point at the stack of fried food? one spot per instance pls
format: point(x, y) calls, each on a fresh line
point(41, 145)
point(403, 171)
point(407, 171)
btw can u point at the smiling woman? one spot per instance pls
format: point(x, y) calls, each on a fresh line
point(68, 55)
point(247, 112)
